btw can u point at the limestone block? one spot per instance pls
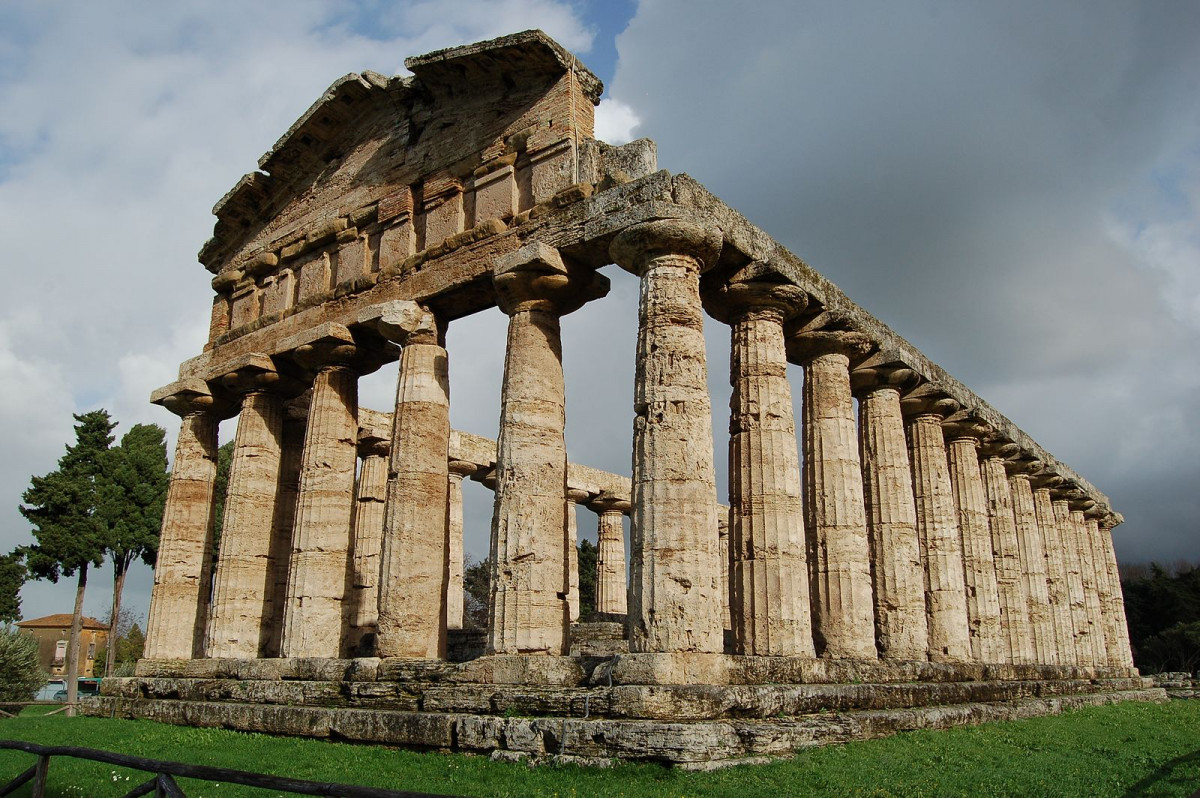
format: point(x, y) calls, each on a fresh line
point(353, 260)
point(443, 207)
point(979, 567)
point(1010, 582)
point(314, 276)
point(946, 601)
point(240, 624)
point(1034, 569)
point(179, 601)
point(552, 169)
point(674, 601)
point(316, 602)
point(245, 305)
point(396, 244)
point(279, 292)
point(838, 547)
point(496, 195)
point(901, 628)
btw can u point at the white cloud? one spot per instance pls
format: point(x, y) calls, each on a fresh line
point(615, 121)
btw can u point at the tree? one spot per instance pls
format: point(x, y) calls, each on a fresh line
point(13, 574)
point(220, 489)
point(477, 583)
point(131, 493)
point(1162, 606)
point(70, 535)
point(124, 636)
point(20, 674)
point(587, 578)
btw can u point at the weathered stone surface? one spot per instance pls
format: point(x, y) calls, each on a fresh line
point(898, 577)
point(611, 588)
point(1116, 610)
point(1060, 517)
point(458, 469)
point(1091, 595)
point(1034, 568)
point(367, 542)
point(673, 600)
point(979, 567)
point(1010, 582)
point(1057, 587)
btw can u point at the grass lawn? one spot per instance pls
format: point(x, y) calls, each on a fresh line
point(1120, 750)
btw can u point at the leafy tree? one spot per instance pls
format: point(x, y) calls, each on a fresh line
point(477, 583)
point(221, 489)
point(131, 491)
point(13, 574)
point(20, 674)
point(130, 643)
point(1162, 605)
point(587, 578)
point(70, 535)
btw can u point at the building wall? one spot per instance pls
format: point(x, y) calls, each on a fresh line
point(49, 651)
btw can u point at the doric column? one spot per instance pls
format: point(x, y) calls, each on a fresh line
point(1119, 649)
point(1010, 580)
point(1057, 587)
point(725, 569)
point(295, 422)
point(575, 497)
point(1033, 563)
point(901, 627)
point(1091, 586)
point(937, 526)
point(1073, 566)
point(179, 601)
point(529, 610)
point(674, 603)
point(239, 626)
point(454, 587)
point(769, 600)
point(414, 573)
point(839, 555)
point(370, 495)
point(318, 608)
point(610, 554)
point(979, 567)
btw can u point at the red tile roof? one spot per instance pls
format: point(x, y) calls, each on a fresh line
point(61, 620)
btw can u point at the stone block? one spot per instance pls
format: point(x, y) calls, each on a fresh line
point(279, 292)
point(551, 170)
point(534, 669)
point(353, 260)
point(496, 195)
point(245, 306)
point(444, 218)
point(314, 276)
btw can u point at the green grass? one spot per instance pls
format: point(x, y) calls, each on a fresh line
point(1125, 749)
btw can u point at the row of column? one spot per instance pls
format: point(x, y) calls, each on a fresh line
point(892, 540)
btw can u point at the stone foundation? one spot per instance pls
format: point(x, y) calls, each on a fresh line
point(597, 708)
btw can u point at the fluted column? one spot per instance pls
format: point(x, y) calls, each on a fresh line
point(1123, 654)
point(898, 577)
point(725, 570)
point(179, 601)
point(1033, 565)
point(239, 626)
point(414, 572)
point(1091, 588)
point(839, 556)
point(454, 588)
point(291, 456)
point(769, 599)
point(529, 612)
point(979, 567)
point(1073, 566)
point(611, 589)
point(673, 601)
point(317, 606)
point(1010, 581)
point(1058, 591)
point(571, 544)
point(370, 495)
point(937, 525)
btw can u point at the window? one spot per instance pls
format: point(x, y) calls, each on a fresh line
point(60, 652)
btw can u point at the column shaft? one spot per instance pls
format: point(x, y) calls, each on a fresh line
point(1034, 570)
point(610, 564)
point(1122, 651)
point(454, 584)
point(529, 608)
point(179, 602)
point(674, 603)
point(1057, 587)
point(415, 571)
point(239, 626)
point(1091, 589)
point(317, 581)
point(1010, 582)
point(1073, 567)
point(901, 628)
point(368, 540)
point(771, 614)
point(979, 567)
point(945, 594)
point(838, 549)
point(291, 458)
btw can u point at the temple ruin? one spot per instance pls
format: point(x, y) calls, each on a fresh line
point(901, 557)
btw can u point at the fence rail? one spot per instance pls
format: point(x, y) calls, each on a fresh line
point(162, 783)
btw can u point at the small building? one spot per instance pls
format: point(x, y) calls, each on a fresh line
point(54, 631)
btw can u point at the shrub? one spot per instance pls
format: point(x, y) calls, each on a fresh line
point(20, 675)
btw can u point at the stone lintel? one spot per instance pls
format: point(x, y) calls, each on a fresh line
point(186, 389)
point(525, 669)
point(399, 320)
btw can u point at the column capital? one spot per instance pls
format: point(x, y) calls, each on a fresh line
point(535, 277)
point(401, 321)
point(610, 503)
point(1110, 521)
point(332, 345)
point(964, 425)
point(373, 447)
point(578, 495)
point(462, 468)
point(186, 397)
point(806, 345)
point(255, 372)
point(756, 288)
point(893, 376)
point(634, 248)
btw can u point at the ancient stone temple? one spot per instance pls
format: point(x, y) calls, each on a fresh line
point(901, 556)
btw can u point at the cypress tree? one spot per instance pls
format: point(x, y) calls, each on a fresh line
point(70, 535)
point(12, 577)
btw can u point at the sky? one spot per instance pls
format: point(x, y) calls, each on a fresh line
point(1013, 187)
